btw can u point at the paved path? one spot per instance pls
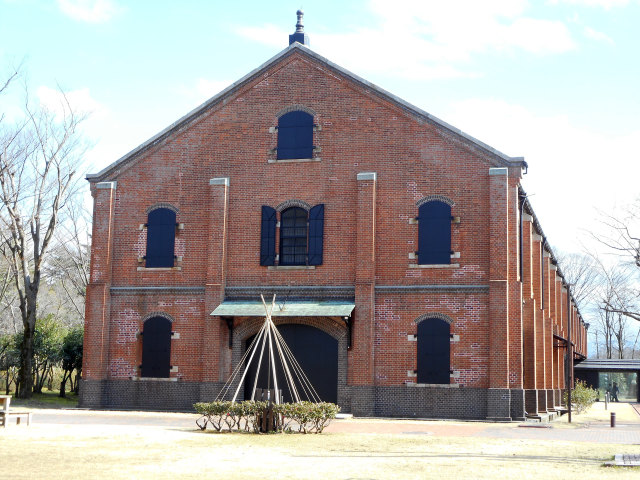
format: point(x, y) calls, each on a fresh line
point(626, 432)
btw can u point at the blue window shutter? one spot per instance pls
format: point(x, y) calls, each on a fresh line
point(156, 348)
point(268, 236)
point(295, 135)
point(434, 346)
point(316, 230)
point(161, 238)
point(434, 233)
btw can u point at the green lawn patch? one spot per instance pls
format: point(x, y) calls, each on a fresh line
point(46, 399)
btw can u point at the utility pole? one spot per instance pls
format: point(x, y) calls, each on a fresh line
point(570, 350)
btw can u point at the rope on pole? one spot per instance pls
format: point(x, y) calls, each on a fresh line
point(227, 386)
point(269, 333)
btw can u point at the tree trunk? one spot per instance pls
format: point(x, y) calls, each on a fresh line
point(24, 384)
point(63, 384)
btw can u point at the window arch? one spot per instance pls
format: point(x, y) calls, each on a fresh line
point(156, 348)
point(434, 233)
point(161, 237)
point(433, 351)
point(295, 135)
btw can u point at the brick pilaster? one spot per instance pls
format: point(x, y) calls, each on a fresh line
point(542, 336)
point(498, 402)
point(529, 306)
point(362, 354)
point(216, 355)
point(97, 306)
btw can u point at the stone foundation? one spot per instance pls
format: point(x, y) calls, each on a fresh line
point(362, 401)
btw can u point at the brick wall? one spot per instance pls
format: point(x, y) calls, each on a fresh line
point(377, 161)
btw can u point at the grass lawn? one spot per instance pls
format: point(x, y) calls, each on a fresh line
point(119, 452)
point(46, 399)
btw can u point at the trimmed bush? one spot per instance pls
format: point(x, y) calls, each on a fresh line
point(302, 417)
point(581, 396)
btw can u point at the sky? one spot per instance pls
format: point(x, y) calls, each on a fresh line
point(554, 81)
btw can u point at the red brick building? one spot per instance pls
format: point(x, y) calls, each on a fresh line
point(410, 271)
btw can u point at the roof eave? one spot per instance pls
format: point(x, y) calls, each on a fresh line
point(190, 115)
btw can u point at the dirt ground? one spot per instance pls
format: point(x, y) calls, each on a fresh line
point(75, 444)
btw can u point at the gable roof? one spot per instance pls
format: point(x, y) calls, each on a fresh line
point(502, 159)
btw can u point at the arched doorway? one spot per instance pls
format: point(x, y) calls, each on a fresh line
point(316, 352)
point(434, 346)
point(156, 348)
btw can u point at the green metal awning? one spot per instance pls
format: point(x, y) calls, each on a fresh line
point(290, 308)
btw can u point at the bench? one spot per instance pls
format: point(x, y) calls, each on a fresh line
point(19, 416)
point(6, 414)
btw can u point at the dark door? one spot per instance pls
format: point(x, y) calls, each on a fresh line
point(317, 354)
point(433, 351)
point(156, 348)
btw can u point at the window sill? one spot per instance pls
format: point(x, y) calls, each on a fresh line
point(294, 160)
point(291, 267)
point(158, 269)
point(443, 265)
point(154, 379)
point(433, 385)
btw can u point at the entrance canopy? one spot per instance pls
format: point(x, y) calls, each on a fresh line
point(289, 308)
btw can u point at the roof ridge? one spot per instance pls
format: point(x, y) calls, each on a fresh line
point(296, 46)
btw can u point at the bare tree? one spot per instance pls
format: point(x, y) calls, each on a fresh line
point(614, 295)
point(67, 268)
point(581, 271)
point(38, 159)
point(623, 238)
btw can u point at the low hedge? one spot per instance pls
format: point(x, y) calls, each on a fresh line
point(301, 417)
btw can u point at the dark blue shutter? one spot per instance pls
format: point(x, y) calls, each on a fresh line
point(434, 233)
point(268, 236)
point(434, 347)
point(295, 135)
point(316, 230)
point(156, 348)
point(161, 238)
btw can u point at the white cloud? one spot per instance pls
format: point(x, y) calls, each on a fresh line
point(572, 170)
point(267, 34)
point(606, 4)
point(202, 91)
point(79, 100)
point(427, 39)
point(208, 88)
point(598, 36)
point(92, 11)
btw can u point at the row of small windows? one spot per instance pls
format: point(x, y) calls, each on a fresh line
point(433, 350)
point(301, 234)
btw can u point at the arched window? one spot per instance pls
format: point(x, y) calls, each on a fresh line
point(295, 135)
point(156, 348)
point(434, 347)
point(293, 236)
point(301, 235)
point(161, 237)
point(434, 233)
